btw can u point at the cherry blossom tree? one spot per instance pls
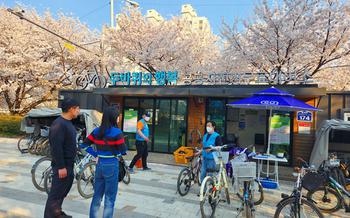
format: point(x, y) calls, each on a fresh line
point(296, 38)
point(35, 64)
point(169, 45)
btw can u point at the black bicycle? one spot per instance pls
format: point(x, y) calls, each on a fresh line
point(329, 196)
point(296, 205)
point(190, 174)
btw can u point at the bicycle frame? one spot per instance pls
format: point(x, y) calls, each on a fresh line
point(220, 180)
point(80, 163)
point(339, 188)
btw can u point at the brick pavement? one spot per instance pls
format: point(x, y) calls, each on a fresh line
point(150, 194)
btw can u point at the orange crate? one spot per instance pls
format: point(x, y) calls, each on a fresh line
point(181, 153)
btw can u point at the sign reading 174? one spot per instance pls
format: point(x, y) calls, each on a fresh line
point(305, 116)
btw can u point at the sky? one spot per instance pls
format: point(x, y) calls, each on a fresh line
point(96, 13)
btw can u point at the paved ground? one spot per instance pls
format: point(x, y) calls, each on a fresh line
point(150, 194)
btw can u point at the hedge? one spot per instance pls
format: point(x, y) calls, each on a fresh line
point(10, 125)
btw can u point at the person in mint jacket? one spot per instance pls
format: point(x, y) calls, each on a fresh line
point(210, 139)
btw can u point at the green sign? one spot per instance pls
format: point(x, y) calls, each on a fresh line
point(280, 133)
point(130, 121)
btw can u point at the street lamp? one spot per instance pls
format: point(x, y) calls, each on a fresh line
point(132, 3)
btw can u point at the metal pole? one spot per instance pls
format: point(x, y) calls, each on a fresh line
point(269, 138)
point(112, 13)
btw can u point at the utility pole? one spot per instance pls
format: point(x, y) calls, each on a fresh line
point(112, 13)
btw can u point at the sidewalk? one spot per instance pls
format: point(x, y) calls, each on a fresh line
point(150, 193)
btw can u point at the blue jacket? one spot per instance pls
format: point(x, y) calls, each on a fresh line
point(144, 130)
point(207, 142)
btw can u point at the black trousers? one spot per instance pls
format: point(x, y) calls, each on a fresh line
point(59, 190)
point(142, 152)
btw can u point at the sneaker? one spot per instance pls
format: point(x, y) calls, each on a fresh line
point(131, 170)
point(64, 215)
point(147, 168)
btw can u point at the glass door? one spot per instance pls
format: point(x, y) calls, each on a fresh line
point(161, 125)
point(178, 127)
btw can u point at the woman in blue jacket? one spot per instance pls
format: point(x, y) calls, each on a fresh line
point(211, 138)
point(109, 142)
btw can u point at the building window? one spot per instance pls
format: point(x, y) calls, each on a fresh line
point(201, 24)
point(216, 110)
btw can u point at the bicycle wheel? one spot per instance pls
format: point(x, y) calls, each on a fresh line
point(23, 143)
point(326, 199)
point(184, 181)
point(42, 147)
point(86, 179)
point(32, 146)
point(228, 200)
point(258, 197)
point(126, 179)
point(99, 82)
point(208, 198)
point(48, 181)
point(82, 82)
point(249, 213)
point(39, 170)
point(288, 208)
point(39, 145)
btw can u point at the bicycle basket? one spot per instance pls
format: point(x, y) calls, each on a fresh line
point(44, 132)
point(29, 129)
point(312, 180)
point(242, 171)
point(224, 155)
point(240, 158)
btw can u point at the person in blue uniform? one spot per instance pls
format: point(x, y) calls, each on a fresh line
point(210, 139)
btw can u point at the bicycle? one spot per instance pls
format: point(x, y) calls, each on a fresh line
point(296, 205)
point(84, 171)
point(41, 145)
point(124, 167)
point(241, 157)
point(39, 170)
point(94, 78)
point(212, 186)
point(330, 195)
point(245, 173)
point(189, 174)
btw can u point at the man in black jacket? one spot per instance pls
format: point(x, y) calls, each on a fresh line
point(62, 137)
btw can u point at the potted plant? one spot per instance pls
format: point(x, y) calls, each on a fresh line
point(280, 153)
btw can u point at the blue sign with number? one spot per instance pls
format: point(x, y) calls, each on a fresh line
point(305, 116)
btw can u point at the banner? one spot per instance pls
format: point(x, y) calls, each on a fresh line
point(130, 121)
point(280, 133)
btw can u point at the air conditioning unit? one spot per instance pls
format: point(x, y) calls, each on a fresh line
point(345, 114)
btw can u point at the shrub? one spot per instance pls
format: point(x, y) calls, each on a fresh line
point(10, 125)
